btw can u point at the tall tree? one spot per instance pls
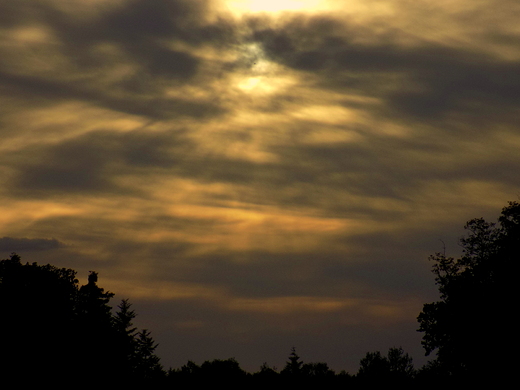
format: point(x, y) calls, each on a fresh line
point(96, 330)
point(147, 363)
point(37, 306)
point(400, 364)
point(294, 366)
point(52, 331)
point(468, 327)
point(126, 342)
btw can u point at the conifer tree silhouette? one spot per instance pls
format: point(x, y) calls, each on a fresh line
point(294, 366)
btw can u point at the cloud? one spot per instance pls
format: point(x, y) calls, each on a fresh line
point(417, 81)
point(91, 162)
point(12, 244)
point(124, 58)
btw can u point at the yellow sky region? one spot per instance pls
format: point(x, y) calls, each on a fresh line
point(18, 215)
point(253, 6)
point(54, 124)
point(360, 8)
point(241, 229)
point(138, 288)
point(284, 305)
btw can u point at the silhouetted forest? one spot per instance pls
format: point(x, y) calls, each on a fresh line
point(54, 331)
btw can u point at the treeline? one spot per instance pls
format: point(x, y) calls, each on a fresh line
point(395, 368)
point(54, 331)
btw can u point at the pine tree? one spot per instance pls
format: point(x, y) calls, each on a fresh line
point(125, 339)
point(147, 364)
point(294, 366)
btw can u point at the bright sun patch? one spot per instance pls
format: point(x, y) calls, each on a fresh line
point(246, 6)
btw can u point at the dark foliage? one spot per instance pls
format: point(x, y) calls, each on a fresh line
point(295, 373)
point(266, 374)
point(294, 366)
point(396, 367)
point(467, 326)
point(53, 331)
point(226, 371)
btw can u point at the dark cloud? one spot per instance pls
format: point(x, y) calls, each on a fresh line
point(90, 163)
point(138, 34)
point(12, 244)
point(143, 30)
point(134, 102)
point(68, 167)
point(15, 14)
point(325, 274)
point(128, 22)
point(434, 79)
point(473, 86)
point(141, 20)
point(177, 63)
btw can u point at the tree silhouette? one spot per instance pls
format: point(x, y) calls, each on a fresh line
point(294, 366)
point(400, 365)
point(467, 326)
point(147, 364)
point(374, 367)
point(37, 304)
point(96, 330)
point(396, 367)
point(227, 372)
point(52, 331)
point(222, 370)
point(317, 370)
point(126, 343)
point(266, 373)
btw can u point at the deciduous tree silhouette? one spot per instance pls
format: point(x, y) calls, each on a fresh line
point(400, 365)
point(374, 367)
point(468, 326)
point(317, 370)
point(37, 305)
point(396, 367)
point(226, 372)
point(266, 374)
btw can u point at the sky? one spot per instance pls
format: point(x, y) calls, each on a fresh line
point(258, 175)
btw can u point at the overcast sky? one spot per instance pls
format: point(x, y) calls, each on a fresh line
point(256, 175)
